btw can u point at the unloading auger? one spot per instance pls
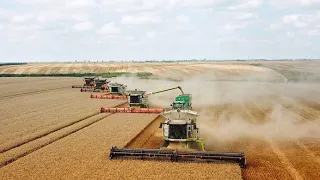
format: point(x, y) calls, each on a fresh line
point(138, 102)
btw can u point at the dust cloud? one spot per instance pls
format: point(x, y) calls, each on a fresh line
point(278, 122)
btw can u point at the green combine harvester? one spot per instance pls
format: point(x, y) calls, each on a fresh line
point(181, 141)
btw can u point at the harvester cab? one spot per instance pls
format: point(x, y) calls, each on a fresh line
point(101, 84)
point(117, 89)
point(88, 83)
point(180, 130)
point(138, 98)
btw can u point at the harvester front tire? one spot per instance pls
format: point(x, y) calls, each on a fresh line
point(164, 144)
point(195, 145)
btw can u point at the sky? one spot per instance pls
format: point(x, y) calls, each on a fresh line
point(96, 30)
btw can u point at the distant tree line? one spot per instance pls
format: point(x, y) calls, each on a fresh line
point(185, 60)
point(104, 75)
point(11, 64)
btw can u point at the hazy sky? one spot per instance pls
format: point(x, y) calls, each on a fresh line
point(68, 30)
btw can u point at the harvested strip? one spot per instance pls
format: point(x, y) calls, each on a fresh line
point(84, 155)
point(309, 152)
point(35, 144)
point(32, 92)
point(25, 88)
point(48, 122)
point(150, 137)
point(17, 107)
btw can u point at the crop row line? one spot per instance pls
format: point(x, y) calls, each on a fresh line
point(6, 150)
point(31, 93)
point(149, 126)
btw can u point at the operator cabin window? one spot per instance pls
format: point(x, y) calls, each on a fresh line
point(135, 99)
point(177, 131)
point(177, 105)
point(114, 89)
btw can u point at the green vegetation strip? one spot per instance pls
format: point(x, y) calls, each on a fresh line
point(104, 75)
point(11, 64)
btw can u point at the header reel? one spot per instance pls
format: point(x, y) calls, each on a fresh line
point(176, 156)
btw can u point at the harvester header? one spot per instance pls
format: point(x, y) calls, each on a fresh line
point(131, 110)
point(173, 155)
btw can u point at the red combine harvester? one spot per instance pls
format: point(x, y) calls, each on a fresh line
point(138, 103)
point(88, 83)
point(100, 85)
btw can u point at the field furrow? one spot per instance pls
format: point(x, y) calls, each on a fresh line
point(263, 161)
point(21, 106)
point(294, 173)
point(38, 86)
point(307, 166)
point(150, 137)
point(24, 148)
point(14, 131)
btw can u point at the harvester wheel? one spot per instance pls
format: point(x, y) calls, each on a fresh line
point(164, 144)
point(196, 145)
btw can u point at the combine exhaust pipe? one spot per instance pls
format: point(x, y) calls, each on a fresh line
point(172, 155)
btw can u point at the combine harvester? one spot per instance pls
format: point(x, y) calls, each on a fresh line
point(88, 83)
point(100, 85)
point(181, 141)
point(116, 91)
point(138, 102)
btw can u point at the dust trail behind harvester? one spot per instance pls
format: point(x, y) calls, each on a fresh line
point(278, 122)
